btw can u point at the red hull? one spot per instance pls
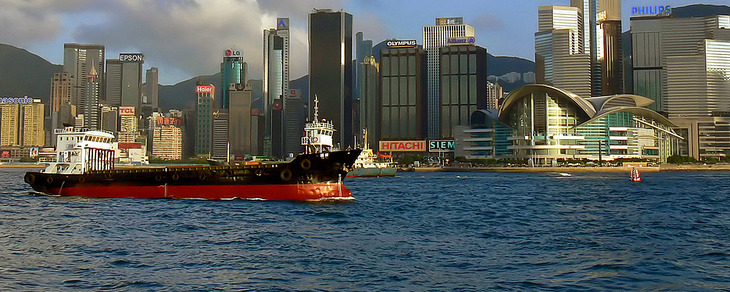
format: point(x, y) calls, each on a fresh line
point(292, 192)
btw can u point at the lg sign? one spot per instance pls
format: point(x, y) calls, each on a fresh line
point(233, 53)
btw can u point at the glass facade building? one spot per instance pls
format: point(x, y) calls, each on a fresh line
point(402, 107)
point(463, 85)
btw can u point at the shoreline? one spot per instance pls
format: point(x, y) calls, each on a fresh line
point(568, 169)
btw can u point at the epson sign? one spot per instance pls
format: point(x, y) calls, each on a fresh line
point(126, 57)
point(401, 44)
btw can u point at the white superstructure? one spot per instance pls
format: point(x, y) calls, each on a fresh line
point(318, 134)
point(79, 151)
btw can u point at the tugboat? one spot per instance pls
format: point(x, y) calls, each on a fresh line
point(367, 165)
point(84, 166)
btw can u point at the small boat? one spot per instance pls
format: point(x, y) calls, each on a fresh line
point(565, 174)
point(367, 164)
point(635, 175)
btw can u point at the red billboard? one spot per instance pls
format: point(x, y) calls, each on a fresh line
point(204, 89)
point(403, 146)
point(126, 110)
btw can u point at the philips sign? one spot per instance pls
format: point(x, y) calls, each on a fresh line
point(126, 57)
point(462, 41)
point(651, 10)
point(401, 44)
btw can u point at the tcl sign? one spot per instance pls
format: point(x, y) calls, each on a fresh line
point(403, 146)
point(204, 89)
point(126, 111)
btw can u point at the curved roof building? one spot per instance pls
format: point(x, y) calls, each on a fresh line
point(546, 123)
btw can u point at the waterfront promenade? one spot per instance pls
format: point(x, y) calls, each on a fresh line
point(568, 169)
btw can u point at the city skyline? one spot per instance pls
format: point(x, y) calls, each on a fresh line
point(184, 39)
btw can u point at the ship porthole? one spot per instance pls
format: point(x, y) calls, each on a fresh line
point(30, 178)
point(202, 176)
point(107, 175)
point(175, 176)
point(49, 180)
point(285, 174)
point(305, 164)
point(158, 177)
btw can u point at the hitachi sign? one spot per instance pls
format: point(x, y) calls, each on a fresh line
point(403, 146)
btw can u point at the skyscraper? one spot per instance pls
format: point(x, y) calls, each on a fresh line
point(330, 70)
point(239, 118)
point(113, 83)
point(370, 100)
point(10, 124)
point(219, 135)
point(131, 91)
point(152, 87)
point(204, 118)
point(89, 104)
point(294, 118)
point(402, 107)
point(233, 71)
point(434, 38)
point(463, 85)
point(61, 86)
point(32, 124)
point(276, 82)
point(77, 60)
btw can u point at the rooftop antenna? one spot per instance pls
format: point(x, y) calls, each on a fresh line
point(316, 108)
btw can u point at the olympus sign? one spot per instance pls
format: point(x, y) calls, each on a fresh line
point(131, 57)
point(401, 44)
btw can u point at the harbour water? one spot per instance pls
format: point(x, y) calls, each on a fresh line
point(417, 231)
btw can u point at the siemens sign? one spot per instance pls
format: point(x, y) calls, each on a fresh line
point(441, 146)
point(401, 44)
point(651, 10)
point(127, 57)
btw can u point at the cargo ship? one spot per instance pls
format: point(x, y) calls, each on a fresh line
point(85, 167)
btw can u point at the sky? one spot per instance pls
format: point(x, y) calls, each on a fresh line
point(187, 38)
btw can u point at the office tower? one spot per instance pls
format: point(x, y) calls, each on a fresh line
point(434, 38)
point(494, 95)
point(560, 57)
point(113, 83)
point(294, 119)
point(402, 104)
point(166, 137)
point(239, 118)
point(463, 85)
point(363, 49)
point(89, 104)
point(77, 60)
point(61, 86)
point(233, 71)
point(370, 100)
point(128, 126)
point(276, 82)
point(204, 118)
point(32, 124)
point(682, 63)
point(152, 87)
point(600, 28)
point(109, 118)
point(219, 135)
point(131, 92)
point(330, 70)
point(10, 124)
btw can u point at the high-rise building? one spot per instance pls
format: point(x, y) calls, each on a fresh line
point(363, 49)
point(560, 57)
point(233, 71)
point(152, 87)
point(131, 92)
point(109, 119)
point(113, 83)
point(166, 137)
point(219, 135)
point(276, 82)
point(77, 60)
point(204, 118)
point(239, 118)
point(370, 100)
point(128, 125)
point(434, 38)
point(32, 124)
point(683, 64)
point(463, 85)
point(494, 95)
point(89, 104)
point(330, 70)
point(294, 118)
point(403, 104)
point(9, 124)
point(600, 28)
point(61, 86)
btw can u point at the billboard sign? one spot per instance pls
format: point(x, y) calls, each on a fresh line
point(441, 146)
point(126, 110)
point(231, 53)
point(33, 152)
point(461, 41)
point(403, 146)
point(449, 20)
point(131, 57)
point(651, 10)
point(392, 44)
point(204, 89)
